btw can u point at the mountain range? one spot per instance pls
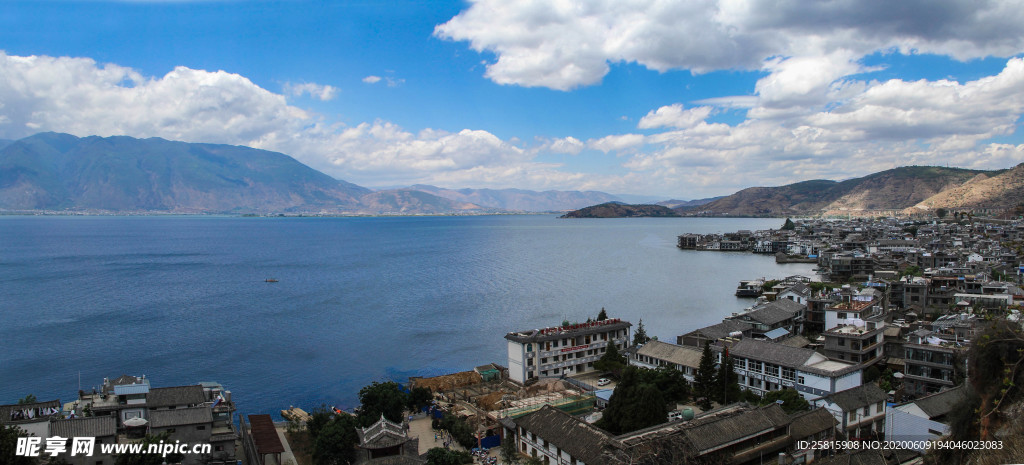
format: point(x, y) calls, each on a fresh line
point(903, 190)
point(61, 172)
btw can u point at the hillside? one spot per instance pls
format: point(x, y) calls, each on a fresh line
point(619, 210)
point(521, 199)
point(886, 191)
point(52, 171)
point(999, 190)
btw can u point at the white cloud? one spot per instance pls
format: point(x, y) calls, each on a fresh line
point(388, 80)
point(319, 91)
point(674, 116)
point(568, 145)
point(564, 44)
point(616, 142)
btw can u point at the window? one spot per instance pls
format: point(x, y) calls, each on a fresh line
point(853, 416)
point(867, 411)
point(218, 448)
point(842, 342)
point(529, 347)
point(200, 427)
point(841, 315)
point(800, 379)
point(880, 407)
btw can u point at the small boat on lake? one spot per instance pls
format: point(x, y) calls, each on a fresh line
point(750, 288)
point(270, 280)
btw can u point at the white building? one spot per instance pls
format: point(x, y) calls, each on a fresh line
point(860, 411)
point(923, 419)
point(764, 366)
point(563, 350)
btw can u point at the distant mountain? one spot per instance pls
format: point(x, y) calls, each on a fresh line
point(674, 203)
point(52, 171)
point(520, 199)
point(411, 201)
point(620, 210)
point(886, 191)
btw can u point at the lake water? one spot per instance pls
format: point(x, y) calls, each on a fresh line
point(184, 299)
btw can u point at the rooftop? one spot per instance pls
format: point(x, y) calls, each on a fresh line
point(556, 332)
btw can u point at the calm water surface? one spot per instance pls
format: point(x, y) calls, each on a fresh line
point(183, 299)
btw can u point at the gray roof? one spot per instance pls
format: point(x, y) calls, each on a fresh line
point(771, 352)
point(938, 405)
point(805, 424)
point(572, 435)
point(381, 435)
point(799, 288)
point(774, 312)
point(681, 355)
point(179, 417)
point(720, 431)
point(795, 341)
point(551, 334)
point(860, 396)
point(81, 427)
point(871, 457)
point(720, 330)
point(178, 395)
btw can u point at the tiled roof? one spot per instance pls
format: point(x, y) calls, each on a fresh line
point(720, 330)
point(28, 413)
point(805, 424)
point(382, 434)
point(82, 427)
point(178, 395)
point(771, 352)
point(180, 417)
point(574, 436)
point(718, 432)
point(774, 312)
point(264, 434)
point(860, 396)
point(681, 355)
point(937, 405)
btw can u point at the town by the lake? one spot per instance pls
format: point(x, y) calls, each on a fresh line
point(906, 331)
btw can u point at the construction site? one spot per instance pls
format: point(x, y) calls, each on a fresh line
point(483, 397)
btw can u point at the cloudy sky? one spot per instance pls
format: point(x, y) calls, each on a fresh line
point(674, 99)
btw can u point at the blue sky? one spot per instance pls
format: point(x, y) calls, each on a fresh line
point(670, 99)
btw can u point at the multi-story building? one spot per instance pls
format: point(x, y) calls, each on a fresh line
point(839, 313)
point(858, 342)
point(777, 314)
point(929, 366)
point(924, 419)
point(860, 411)
point(657, 354)
point(766, 366)
point(563, 350)
point(197, 414)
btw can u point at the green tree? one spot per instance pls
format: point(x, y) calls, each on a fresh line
point(727, 382)
point(509, 453)
point(149, 459)
point(941, 213)
point(8, 446)
point(788, 225)
point(634, 405)
point(792, 401)
point(319, 417)
point(382, 398)
point(442, 456)
point(336, 441)
point(460, 429)
point(602, 315)
point(640, 336)
point(533, 461)
point(420, 397)
point(704, 381)
point(612, 360)
point(29, 399)
point(669, 381)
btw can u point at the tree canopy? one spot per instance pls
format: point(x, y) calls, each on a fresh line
point(705, 380)
point(382, 398)
point(612, 360)
point(636, 404)
point(602, 315)
point(442, 456)
point(792, 401)
point(336, 440)
point(727, 382)
point(640, 335)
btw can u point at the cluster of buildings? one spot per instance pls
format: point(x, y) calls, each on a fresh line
point(126, 409)
point(879, 353)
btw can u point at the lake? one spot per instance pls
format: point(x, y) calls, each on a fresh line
point(185, 299)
